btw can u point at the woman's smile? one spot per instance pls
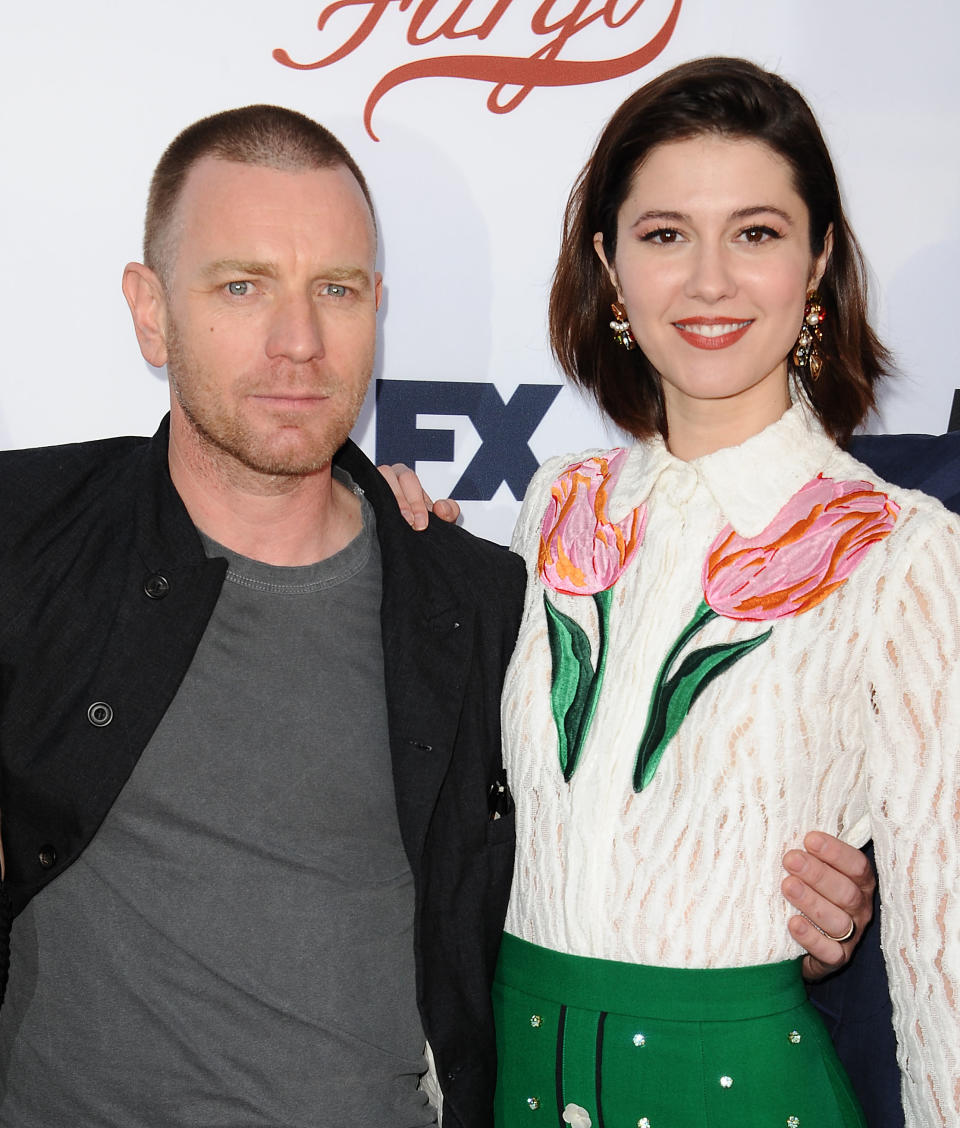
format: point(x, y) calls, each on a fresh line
point(711, 332)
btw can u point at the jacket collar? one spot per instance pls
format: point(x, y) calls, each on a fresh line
point(413, 573)
point(750, 483)
point(165, 533)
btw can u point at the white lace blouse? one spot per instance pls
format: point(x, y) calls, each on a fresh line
point(763, 641)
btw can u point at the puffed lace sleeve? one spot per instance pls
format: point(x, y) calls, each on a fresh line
point(526, 532)
point(913, 785)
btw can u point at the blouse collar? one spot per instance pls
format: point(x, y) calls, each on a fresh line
point(751, 482)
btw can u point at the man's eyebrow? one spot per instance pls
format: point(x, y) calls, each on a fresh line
point(241, 268)
point(237, 266)
point(345, 274)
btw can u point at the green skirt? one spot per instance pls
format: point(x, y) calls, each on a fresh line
point(601, 1044)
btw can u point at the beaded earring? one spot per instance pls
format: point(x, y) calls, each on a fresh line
point(622, 333)
point(805, 351)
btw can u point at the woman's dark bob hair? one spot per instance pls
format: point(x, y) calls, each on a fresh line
point(733, 98)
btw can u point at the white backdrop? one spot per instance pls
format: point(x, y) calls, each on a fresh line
point(468, 200)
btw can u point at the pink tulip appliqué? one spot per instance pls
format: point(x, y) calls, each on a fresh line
point(806, 552)
point(582, 552)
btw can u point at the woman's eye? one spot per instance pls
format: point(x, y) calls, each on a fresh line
point(663, 235)
point(238, 289)
point(759, 234)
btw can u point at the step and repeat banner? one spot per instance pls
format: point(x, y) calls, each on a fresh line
point(471, 119)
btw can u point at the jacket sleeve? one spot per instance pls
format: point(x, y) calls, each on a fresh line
point(6, 923)
point(912, 705)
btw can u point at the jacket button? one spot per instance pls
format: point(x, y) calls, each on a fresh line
point(100, 714)
point(156, 585)
point(47, 856)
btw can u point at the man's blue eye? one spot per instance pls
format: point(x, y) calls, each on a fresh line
point(336, 290)
point(238, 289)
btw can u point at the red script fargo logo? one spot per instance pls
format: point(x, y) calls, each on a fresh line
point(513, 75)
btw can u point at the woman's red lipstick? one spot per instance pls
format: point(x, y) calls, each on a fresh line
point(711, 332)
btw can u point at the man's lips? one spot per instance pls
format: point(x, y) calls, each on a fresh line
point(711, 332)
point(291, 401)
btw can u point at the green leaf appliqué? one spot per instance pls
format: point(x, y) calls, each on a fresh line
point(576, 684)
point(673, 695)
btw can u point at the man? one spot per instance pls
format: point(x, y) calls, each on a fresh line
point(255, 827)
point(265, 916)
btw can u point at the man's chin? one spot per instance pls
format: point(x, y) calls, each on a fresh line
point(291, 462)
point(287, 455)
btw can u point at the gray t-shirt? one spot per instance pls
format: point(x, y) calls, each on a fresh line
point(235, 947)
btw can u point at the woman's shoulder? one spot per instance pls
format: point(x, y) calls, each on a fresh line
point(541, 488)
point(558, 464)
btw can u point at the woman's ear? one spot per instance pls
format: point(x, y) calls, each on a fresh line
point(608, 267)
point(820, 263)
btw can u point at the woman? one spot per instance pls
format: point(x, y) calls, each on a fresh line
point(732, 631)
point(772, 644)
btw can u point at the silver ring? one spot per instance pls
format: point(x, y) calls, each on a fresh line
point(848, 935)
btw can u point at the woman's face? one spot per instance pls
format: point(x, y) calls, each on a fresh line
point(713, 265)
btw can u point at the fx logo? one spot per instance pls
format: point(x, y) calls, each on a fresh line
point(504, 430)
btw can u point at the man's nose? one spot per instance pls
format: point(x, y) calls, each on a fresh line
point(295, 329)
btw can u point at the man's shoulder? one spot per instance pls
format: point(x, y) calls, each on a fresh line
point(898, 448)
point(442, 544)
point(494, 562)
point(930, 463)
point(91, 451)
point(65, 491)
point(59, 468)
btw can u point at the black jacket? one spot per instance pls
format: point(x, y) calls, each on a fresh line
point(107, 592)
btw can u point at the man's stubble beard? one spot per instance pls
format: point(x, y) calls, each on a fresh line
point(222, 433)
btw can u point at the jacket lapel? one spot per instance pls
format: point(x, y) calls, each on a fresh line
point(427, 647)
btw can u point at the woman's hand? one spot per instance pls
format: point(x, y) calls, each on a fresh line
point(832, 885)
point(414, 501)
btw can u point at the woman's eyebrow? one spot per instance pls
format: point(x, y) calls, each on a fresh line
point(762, 209)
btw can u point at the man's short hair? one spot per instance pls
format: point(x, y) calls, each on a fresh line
point(269, 136)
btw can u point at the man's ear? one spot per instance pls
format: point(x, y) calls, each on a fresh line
point(608, 267)
point(148, 307)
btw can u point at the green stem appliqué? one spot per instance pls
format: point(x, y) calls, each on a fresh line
point(576, 683)
point(674, 694)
